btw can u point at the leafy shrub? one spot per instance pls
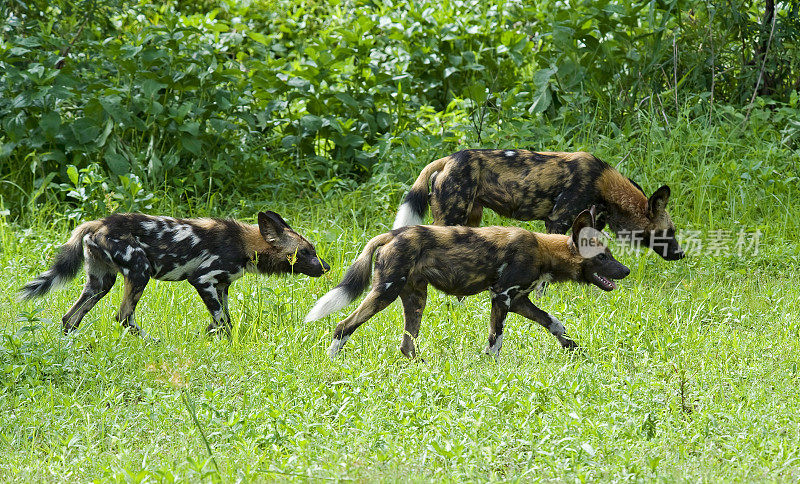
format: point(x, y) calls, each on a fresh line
point(212, 98)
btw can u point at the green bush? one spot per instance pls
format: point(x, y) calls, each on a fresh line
point(201, 99)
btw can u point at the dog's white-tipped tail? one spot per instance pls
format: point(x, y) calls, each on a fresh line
point(406, 215)
point(334, 300)
point(44, 283)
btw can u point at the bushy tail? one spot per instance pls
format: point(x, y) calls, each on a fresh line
point(65, 267)
point(412, 210)
point(353, 284)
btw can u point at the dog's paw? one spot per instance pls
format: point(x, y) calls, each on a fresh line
point(568, 344)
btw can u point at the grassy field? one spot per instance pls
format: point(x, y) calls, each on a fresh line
point(688, 372)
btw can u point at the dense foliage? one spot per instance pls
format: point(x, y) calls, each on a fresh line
point(103, 103)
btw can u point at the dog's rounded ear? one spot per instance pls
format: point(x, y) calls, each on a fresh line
point(658, 202)
point(270, 227)
point(583, 220)
point(277, 218)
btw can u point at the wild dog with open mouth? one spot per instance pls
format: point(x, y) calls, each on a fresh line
point(508, 261)
point(526, 185)
point(209, 253)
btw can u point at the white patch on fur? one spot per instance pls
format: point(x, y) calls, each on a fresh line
point(406, 216)
point(128, 253)
point(334, 300)
point(495, 348)
point(510, 153)
point(150, 225)
point(210, 277)
point(556, 328)
point(186, 269)
point(85, 243)
point(182, 232)
point(181, 271)
point(177, 273)
point(208, 262)
point(336, 346)
point(502, 268)
point(57, 282)
point(504, 295)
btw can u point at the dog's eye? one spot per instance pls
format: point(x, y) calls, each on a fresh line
point(602, 256)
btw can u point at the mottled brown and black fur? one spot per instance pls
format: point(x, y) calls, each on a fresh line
point(528, 185)
point(209, 253)
point(507, 261)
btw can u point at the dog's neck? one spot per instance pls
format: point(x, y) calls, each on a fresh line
point(559, 257)
point(623, 202)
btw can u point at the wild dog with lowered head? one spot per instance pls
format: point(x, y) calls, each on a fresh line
point(508, 261)
point(526, 185)
point(209, 253)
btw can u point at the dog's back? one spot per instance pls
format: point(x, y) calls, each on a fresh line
point(176, 247)
point(519, 184)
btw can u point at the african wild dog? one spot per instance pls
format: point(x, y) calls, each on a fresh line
point(508, 261)
point(209, 253)
point(527, 185)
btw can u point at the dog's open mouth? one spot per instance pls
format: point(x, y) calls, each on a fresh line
point(603, 282)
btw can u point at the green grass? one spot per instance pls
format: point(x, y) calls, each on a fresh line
point(688, 372)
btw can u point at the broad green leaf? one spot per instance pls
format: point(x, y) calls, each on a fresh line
point(191, 127)
point(50, 122)
point(258, 37)
point(118, 164)
point(191, 144)
point(151, 87)
point(113, 106)
point(85, 130)
point(311, 123)
point(541, 100)
point(72, 173)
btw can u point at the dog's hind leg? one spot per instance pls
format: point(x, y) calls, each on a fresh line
point(381, 295)
point(414, 299)
point(453, 194)
point(524, 307)
point(132, 262)
point(134, 287)
point(99, 280)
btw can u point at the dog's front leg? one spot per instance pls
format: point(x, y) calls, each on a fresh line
point(222, 293)
point(414, 299)
point(524, 307)
point(501, 302)
point(209, 293)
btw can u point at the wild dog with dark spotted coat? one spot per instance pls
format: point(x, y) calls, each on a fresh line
point(508, 261)
point(526, 185)
point(209, 253)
